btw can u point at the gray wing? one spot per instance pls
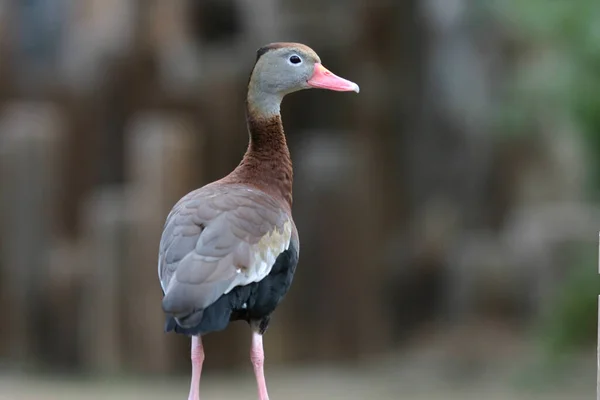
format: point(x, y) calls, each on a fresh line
point(217, 238)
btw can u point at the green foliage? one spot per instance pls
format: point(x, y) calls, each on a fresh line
point(559, 71)
point(572, 321)
point(569, 328)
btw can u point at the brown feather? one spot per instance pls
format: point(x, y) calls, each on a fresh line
point(267, 164)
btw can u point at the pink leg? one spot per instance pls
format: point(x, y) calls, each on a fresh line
point(197, 355)
point(257, 356)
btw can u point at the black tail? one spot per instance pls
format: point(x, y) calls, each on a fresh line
point(186, 325)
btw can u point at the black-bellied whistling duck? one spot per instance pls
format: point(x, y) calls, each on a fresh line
point(229, 249)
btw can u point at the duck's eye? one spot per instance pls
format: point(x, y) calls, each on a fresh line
point(295, 59)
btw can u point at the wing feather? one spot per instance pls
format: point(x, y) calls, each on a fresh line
point(217, 238)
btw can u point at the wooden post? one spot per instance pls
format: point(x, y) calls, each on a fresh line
point(104, 229)
point(160, 152)
point(178, 55)
point(61, 296)
point(4, 27)
point(97, 32)
point(30, 144)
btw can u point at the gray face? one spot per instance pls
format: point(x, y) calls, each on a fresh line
point(283, 71)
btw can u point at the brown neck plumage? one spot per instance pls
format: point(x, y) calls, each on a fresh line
point(267, 164)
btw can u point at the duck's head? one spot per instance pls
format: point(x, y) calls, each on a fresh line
point(283, 68)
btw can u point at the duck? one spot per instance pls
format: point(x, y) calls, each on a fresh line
point(229, 250)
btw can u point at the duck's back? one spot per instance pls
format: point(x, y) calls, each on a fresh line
point(228, 251)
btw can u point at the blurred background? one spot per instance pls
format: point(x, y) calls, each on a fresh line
point(448, 214)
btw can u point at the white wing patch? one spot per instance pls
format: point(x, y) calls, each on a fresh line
point(263, 256)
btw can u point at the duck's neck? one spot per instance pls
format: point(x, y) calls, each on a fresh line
point(267, 164)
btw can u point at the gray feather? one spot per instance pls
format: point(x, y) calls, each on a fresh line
point(210, 236)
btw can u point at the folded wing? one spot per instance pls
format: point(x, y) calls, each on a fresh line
point(217, 238)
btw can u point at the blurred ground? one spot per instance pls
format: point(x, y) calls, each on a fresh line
point(418, 376)
point(289, 385)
